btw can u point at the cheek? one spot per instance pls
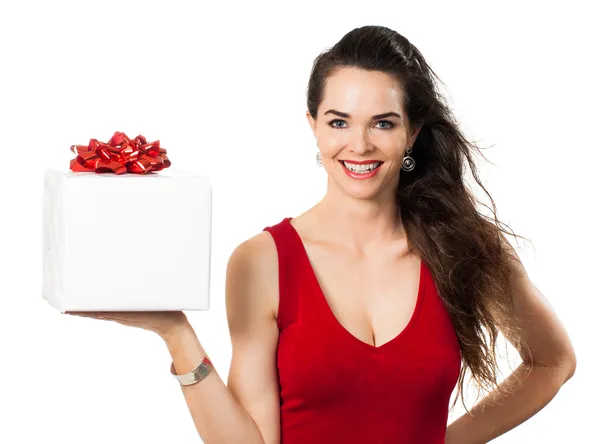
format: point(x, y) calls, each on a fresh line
point(391, 147)
point(331, 139)
point(331, 146)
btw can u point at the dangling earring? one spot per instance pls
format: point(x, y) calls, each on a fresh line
point(319, 160)
point(408, 163)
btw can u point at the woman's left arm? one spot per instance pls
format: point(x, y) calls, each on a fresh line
point(552, 364)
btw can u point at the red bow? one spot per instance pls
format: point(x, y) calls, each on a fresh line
point(120, 155)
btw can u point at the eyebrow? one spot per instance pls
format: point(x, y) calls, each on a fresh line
point(376, 116)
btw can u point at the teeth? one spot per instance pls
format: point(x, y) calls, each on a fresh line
point(361, 168)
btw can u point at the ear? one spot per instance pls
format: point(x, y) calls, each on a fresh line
point(312, 122)
point(414, 135)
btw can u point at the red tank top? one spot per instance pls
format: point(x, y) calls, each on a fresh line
point(335, 388)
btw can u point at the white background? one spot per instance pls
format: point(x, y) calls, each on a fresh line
point(222, 85)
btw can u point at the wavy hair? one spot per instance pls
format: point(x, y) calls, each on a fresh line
point(465, 250)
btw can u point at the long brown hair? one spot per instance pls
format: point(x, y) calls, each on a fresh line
point(465, 250)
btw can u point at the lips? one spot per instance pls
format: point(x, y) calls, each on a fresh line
point(363, 174)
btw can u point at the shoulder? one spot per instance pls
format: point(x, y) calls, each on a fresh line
point(257, 252)
point(253, 264)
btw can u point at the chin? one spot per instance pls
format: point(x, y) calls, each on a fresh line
point(360, 191)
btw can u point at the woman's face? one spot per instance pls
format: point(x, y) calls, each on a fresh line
point(360, 121)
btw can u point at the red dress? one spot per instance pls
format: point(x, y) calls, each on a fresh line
point(335, 388)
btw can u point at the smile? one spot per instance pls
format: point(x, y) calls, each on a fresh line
point(361, 170)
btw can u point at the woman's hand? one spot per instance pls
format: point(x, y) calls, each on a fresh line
point(163, 323)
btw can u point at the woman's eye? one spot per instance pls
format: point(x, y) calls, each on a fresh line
point(333, 123)
point(390, 125)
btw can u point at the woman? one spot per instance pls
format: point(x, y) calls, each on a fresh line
point(355, 320)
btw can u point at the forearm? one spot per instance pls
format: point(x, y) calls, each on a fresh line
point(217, 415)
point(491, 419)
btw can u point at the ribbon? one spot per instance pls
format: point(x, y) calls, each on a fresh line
point(120, 155)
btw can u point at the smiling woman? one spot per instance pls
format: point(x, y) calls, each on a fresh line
point(397, 162)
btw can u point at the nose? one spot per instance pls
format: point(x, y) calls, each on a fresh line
point(360, 143)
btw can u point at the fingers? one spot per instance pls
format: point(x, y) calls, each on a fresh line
point(87, 314)
point(106, 315)
point(77, 313)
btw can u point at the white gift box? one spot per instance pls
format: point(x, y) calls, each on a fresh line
point(126, 242)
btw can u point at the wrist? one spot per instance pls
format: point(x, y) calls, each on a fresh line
point(184, 347)
point(177, 330)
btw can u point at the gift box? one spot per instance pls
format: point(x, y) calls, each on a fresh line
point(121, 242)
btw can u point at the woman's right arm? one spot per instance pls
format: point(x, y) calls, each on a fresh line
point(247, 409)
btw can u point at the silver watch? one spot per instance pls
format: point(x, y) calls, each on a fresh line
point(196, 375)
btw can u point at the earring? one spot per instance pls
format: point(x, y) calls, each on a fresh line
point(319, 160)
point(408, 163)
